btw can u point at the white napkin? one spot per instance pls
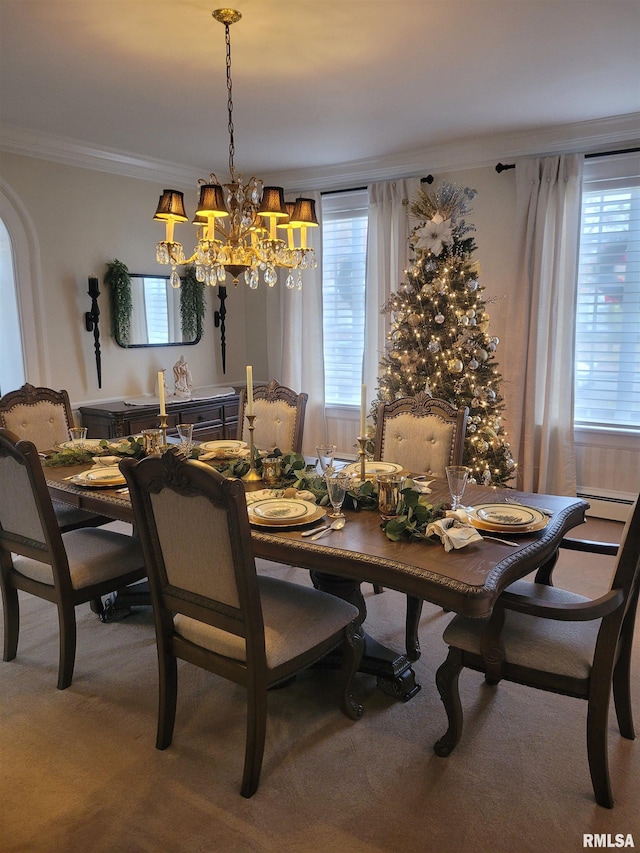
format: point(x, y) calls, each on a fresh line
point(454, 530)
point(421, 485)
point(264, 494)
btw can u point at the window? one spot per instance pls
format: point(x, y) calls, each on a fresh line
point(607, 354)
point(344, 253)
point(11, 361)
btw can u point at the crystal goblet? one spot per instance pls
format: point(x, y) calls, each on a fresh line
point(457, 476)
point(337, 485)
point(326, 453)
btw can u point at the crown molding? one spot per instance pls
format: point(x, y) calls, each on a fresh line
point(70, 152)
point(472, 152)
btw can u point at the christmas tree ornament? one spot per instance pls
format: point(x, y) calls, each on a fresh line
point(439, 318)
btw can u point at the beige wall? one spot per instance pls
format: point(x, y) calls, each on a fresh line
point(79, 220)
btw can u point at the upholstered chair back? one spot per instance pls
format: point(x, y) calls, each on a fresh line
point(195, 533)
point(40, 414)
point(422, 433)
point(20, 514)
point(66, 569)
point(279, 419)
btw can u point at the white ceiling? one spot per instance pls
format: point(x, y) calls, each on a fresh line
point(316, 83)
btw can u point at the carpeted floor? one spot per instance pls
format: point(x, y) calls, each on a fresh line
point(79, 772)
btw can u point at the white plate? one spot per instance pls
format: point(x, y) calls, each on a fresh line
point(372, 469)
point(222, 447)
point(100, 477)
point(515, 518)
point(274, 512)
point(89, 444)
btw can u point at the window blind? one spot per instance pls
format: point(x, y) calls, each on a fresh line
point(607, 351)
point(344, 253)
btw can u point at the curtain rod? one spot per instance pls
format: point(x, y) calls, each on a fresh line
point(346, 190)
point(427, 180)
point(503, 167)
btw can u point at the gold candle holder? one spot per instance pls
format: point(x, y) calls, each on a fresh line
point(362, 443)
point(252, 475)
point(163, 433)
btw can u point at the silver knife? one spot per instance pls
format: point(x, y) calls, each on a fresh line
point(316, 530)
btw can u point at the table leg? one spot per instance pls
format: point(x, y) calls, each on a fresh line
point(118, 605)
point(392, 669)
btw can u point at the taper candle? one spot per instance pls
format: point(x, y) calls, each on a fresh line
point(363, 411)
point(163, 409)
point(249, 389)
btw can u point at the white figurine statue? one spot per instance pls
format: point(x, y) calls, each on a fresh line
point(183, 380)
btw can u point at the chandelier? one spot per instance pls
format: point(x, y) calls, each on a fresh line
point(238, 222)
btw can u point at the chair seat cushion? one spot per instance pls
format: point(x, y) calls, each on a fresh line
point(296, 618)
point(95, 555)
point(549, 645)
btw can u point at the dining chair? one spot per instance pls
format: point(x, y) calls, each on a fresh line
point(279, 419)
point(424, 435)
point(44, 417)
point(66, 569)
point(213, 610)
point(552, 639)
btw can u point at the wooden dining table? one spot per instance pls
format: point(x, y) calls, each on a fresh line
point(466, 581)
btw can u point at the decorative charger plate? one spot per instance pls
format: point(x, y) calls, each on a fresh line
point(100, 478)
point(222, 447)
point(512, 518)
point(89, 444)
point(372, 469)
point(283, 512)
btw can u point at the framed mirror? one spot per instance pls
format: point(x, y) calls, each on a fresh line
point(156, 318)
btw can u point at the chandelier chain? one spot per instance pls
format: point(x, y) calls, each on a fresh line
point(227, 39)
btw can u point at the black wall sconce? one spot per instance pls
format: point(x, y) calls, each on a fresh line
point(92, 323)
point(218, 321)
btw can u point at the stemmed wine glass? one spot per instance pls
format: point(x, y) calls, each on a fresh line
point(326, 453)
point(337, 485)
point(457, 478)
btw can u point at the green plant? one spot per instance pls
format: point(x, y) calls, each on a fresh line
point(415, 513)
point(192, 305)
point(119, 282)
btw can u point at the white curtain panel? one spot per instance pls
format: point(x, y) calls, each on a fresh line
point(299, 363)
point(387, 259)
point(539, 350)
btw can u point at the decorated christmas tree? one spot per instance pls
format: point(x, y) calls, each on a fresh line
point(439, 340)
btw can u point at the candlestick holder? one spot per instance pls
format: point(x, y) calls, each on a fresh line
point(163, 433)
point(252, 475)
point(362, 443)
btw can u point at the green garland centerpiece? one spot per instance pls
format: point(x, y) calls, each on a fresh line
point(129, 447)
point(415, 513)
point(299, 475)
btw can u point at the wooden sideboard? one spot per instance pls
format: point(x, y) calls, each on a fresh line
point(213, 419)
